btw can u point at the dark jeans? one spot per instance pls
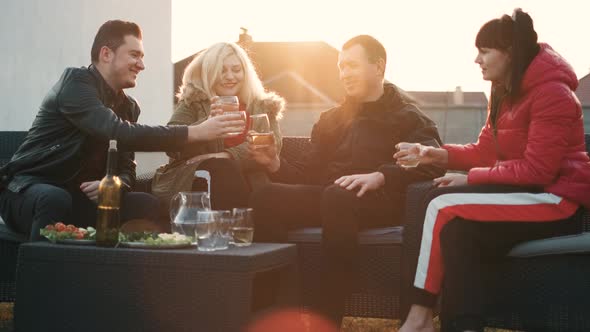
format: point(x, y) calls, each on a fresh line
point(228, 186)
point(469, 249)
point(279, 208)
point(42, 204)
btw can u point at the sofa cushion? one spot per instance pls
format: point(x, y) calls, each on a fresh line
point(375, 236)
point(6, 234)
point(570, 244)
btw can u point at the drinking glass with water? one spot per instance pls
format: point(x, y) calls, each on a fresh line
point(205, 229)
point(222, 230)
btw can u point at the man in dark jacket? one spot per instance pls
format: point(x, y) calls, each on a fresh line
point(348, 179)
point(54, 175)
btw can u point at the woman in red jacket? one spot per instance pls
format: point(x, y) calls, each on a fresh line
point(526, 176)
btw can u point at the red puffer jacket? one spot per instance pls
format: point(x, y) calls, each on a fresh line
point(540, 137)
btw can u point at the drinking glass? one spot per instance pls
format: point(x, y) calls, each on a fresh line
point(231, 105)
point(242, 229)
point(414, 150)
point(205, 229)
point(228, 103)
point(412, 159)
point(259, 133)
point(223, 232)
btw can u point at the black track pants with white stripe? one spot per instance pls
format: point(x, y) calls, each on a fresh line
point(468, 226)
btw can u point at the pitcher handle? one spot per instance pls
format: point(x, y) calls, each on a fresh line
point(206, 204)
point(174, 207)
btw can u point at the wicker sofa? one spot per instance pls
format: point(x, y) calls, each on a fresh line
point(9, 241)
point(543, 285)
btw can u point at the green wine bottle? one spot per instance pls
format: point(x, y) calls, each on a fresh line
point(109, 200)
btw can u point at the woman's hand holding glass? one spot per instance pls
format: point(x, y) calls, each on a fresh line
point(412, 154)
point(215, 107)
point(261, 143)
point(228, 105)
point(265, 156)
point(259, 133)
point(408, 154)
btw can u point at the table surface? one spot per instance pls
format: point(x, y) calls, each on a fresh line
point(258, 256)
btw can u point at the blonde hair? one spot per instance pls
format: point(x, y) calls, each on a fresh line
point(206, 67)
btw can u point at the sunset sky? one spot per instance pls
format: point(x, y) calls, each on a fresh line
point(430, 43)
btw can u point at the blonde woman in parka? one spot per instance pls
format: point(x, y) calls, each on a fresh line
point(224, 69)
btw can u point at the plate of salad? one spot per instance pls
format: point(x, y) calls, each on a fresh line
point(149, 240)
point(69, 234)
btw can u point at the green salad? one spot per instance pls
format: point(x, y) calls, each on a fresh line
point(150, 238)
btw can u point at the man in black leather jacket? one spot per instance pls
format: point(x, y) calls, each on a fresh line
point(54, 175)
point(348, 180)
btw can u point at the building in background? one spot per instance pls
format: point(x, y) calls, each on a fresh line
point(304, 73)
point(583, 93)
point(459, 115)
point(41, 38)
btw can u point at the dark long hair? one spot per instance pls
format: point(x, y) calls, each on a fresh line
point(517, 36)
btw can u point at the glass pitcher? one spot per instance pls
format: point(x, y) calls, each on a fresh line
point(183, 211)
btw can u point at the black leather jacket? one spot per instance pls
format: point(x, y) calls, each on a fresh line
point(75, 109)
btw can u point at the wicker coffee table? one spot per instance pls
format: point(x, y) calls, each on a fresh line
point(85, 288)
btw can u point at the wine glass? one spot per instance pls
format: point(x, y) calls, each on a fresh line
point(259, 134)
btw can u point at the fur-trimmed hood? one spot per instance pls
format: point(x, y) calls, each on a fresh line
point(271, 104)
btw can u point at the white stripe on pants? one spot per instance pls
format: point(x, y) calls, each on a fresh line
point(483, 207)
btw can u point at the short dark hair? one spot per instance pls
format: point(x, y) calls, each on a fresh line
point(372, 46)
point(112, 35)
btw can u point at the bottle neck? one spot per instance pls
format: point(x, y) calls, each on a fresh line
point(111, 162)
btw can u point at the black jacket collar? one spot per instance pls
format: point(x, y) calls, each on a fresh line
point(111, 97)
